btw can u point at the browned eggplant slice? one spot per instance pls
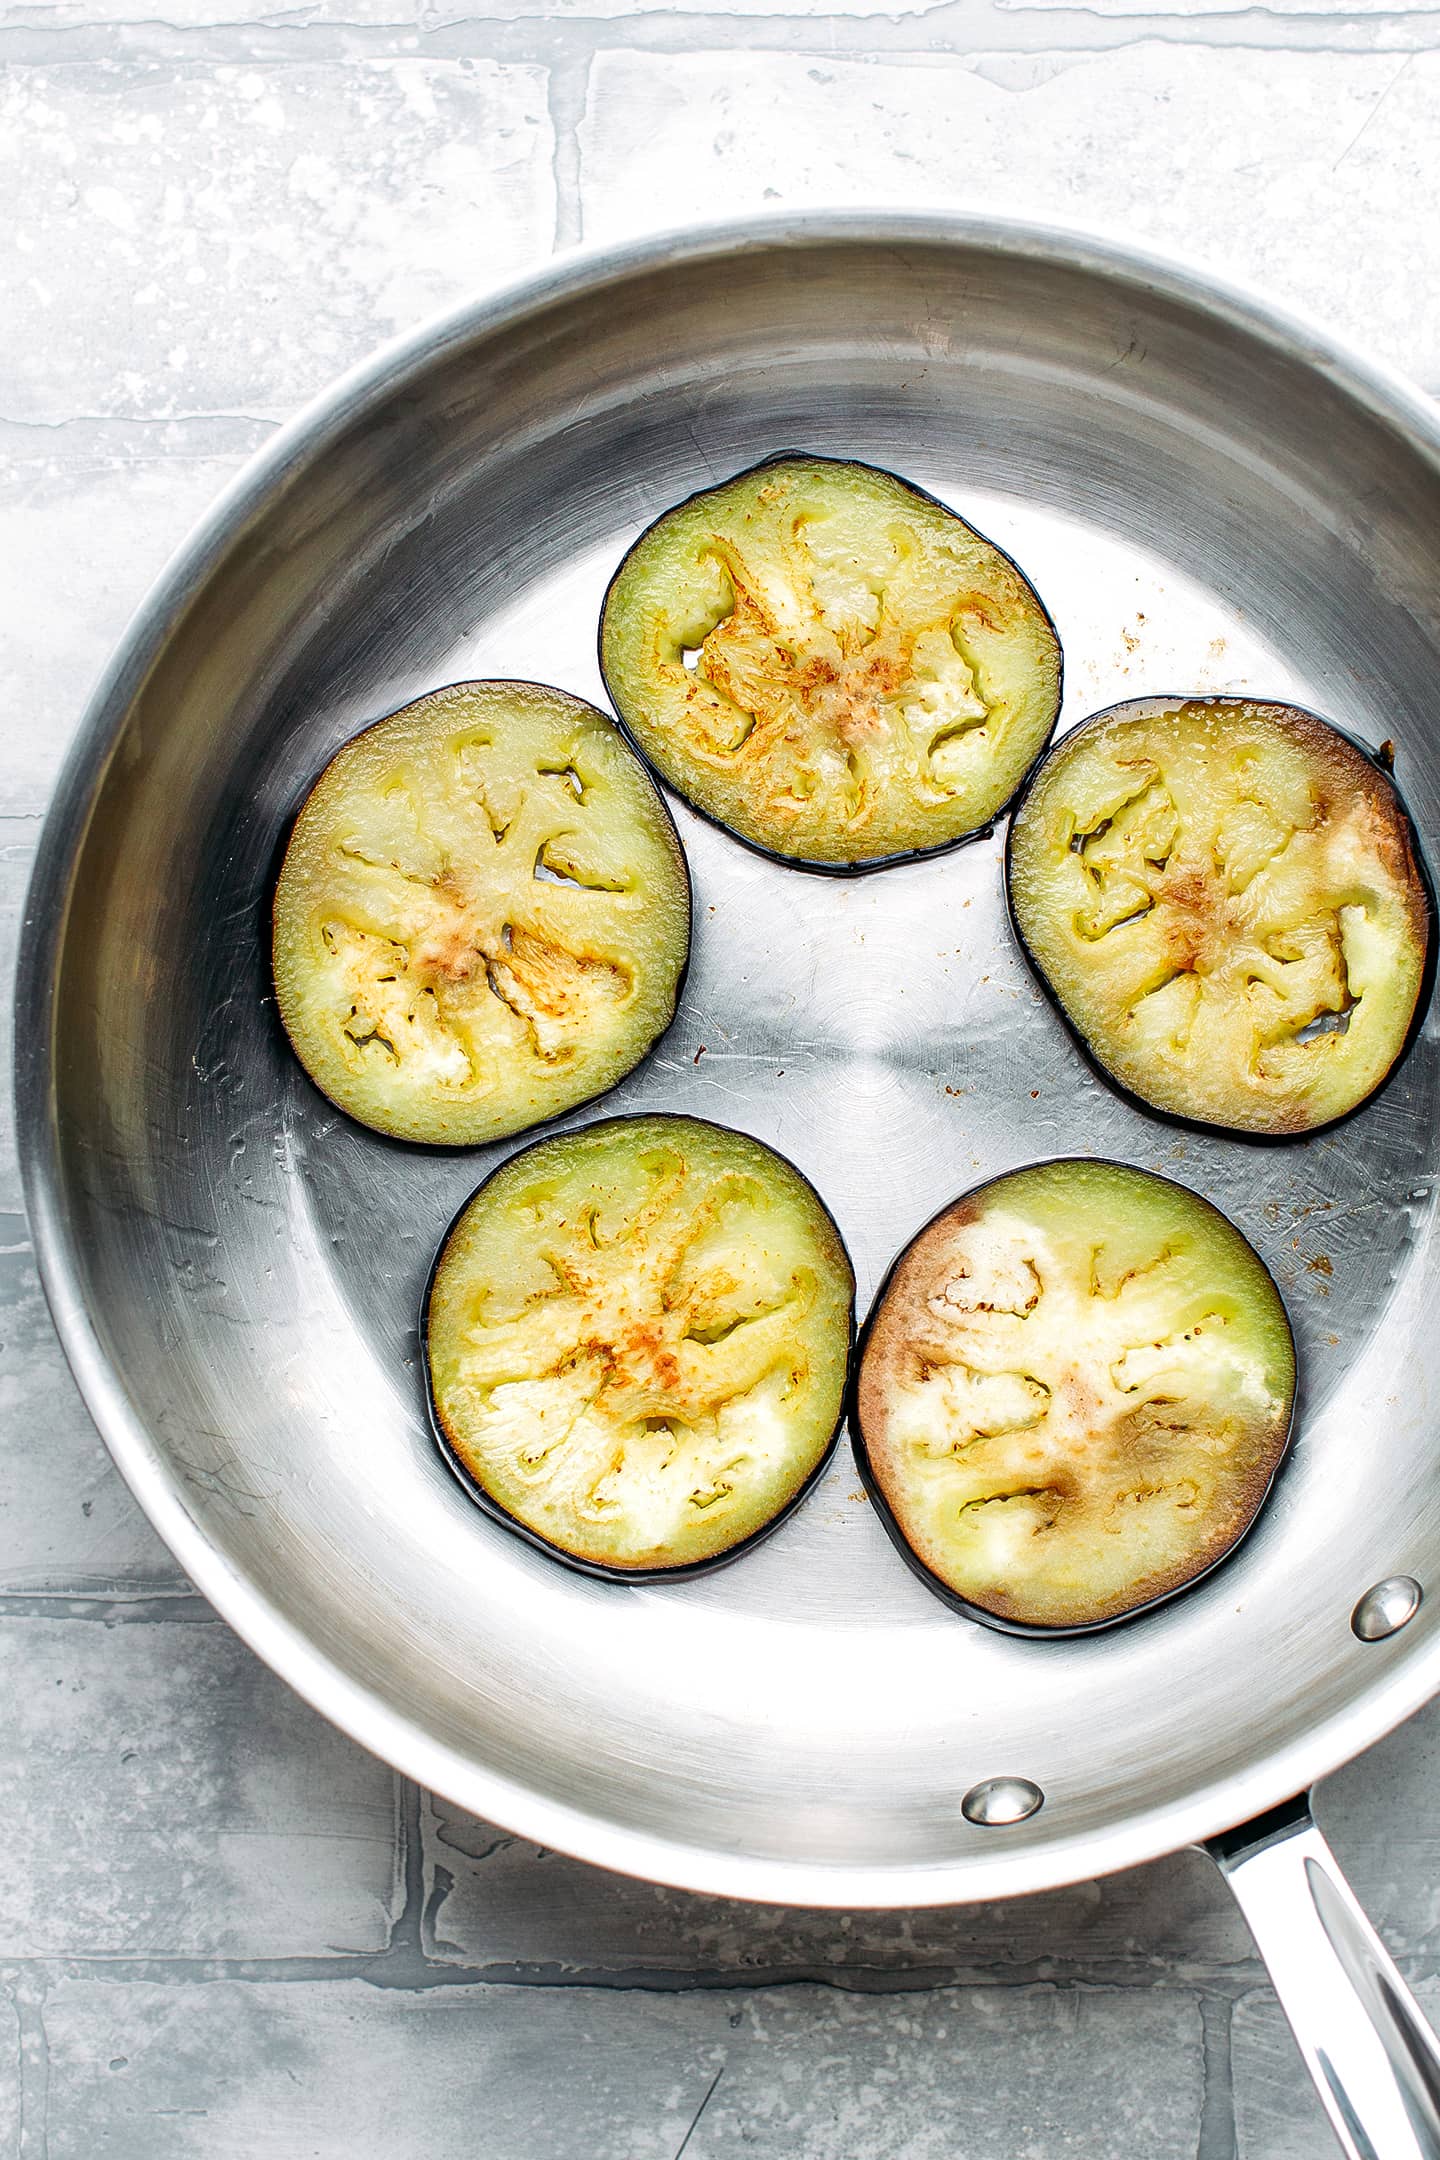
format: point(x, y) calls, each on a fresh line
point(483, 915)
point(1226, 901)
point(637, 1338)
point(830, 664)
point(1073, 1393)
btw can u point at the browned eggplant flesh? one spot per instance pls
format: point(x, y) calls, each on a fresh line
point(830, 663)
point(1074, 1392)
point(637, 1338)
point(483, 915)
point(1224, 898)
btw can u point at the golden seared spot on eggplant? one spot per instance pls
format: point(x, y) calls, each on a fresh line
point(1223, 898)
point(1075, 1391)
point(830, 663)
point(638, 1337)
point(482, 915)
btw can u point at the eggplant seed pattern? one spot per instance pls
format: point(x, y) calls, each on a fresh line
point(830, 663)
point(1075, 1391)
point(638, 1337)
point(1223, 897)
point(482, 916)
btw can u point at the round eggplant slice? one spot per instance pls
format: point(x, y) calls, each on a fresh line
point(830, 664)
point(1074, 1391)
point(1225, 901)
point(637, 1339)
point(483, 915)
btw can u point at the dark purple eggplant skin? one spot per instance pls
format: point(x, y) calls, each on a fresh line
point(277, 860)
point(598, 1570)
point(795, 862)
point(1032, 1631)
point(1383, 760)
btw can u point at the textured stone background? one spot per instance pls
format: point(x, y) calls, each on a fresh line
point(224, 1932)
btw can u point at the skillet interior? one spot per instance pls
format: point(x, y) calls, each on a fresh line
point(1206, 501)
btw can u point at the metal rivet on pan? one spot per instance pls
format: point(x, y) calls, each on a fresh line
point(1385, 1609)
point(1001, 1800)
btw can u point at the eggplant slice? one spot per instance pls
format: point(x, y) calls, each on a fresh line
point(830, 664)
point(483, 915)
point(1074, 1391)
point(637, 1338)
point(1225, 899)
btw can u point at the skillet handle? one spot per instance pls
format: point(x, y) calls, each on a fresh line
point(1375, 2061)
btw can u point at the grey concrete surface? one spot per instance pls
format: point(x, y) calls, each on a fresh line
point(173, 1799)
point(230, 2071)
point(225, 1933)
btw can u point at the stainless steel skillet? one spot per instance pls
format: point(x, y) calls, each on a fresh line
point(1208, 496)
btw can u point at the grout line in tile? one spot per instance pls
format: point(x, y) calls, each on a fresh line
point(952, 30)
point(110, 1605)
point(1217, 2114)
point(401, 1969)
point(34, 2069)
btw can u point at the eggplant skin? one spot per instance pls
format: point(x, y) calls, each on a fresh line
point(482, 919)
point(1073, 1393)
point(830, 664)
point(637, 1340)
point(1227, 902)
